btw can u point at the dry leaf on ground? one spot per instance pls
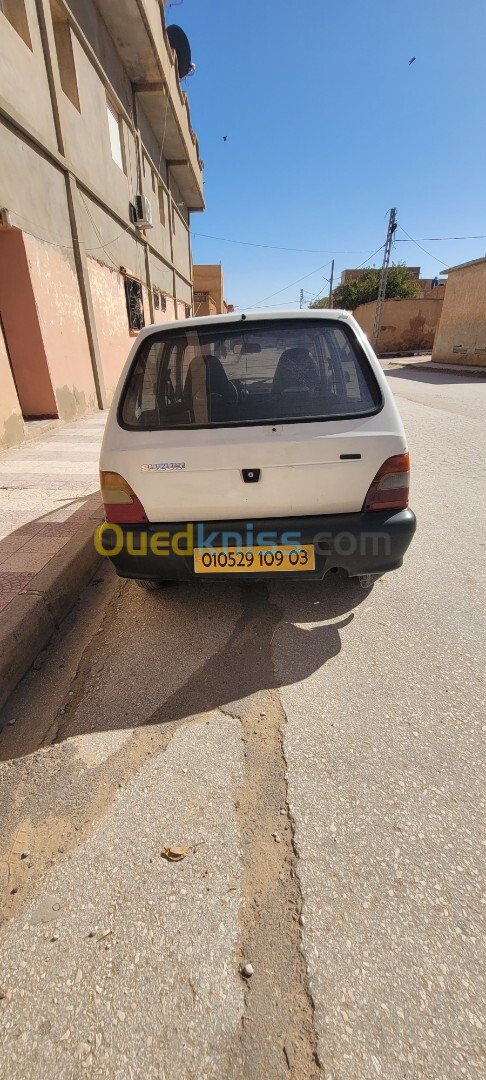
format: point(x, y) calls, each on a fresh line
point(175, 852)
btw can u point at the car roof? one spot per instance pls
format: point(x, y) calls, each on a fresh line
point(242, 317)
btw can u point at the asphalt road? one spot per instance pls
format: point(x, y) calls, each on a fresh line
point(318, 750)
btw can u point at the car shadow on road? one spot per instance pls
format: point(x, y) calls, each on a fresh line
point(202, 647)
point(295, 619)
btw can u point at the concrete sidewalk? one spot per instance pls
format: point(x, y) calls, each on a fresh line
point(48, 488)
point(425, 363)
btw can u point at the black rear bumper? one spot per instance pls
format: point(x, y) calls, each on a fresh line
point(364, 543)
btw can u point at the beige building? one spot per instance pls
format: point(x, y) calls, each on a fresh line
point(427, 287)
point(354, 275)
point(100, 172)
point(461, 334)
point(209, 290)
point(408, 324)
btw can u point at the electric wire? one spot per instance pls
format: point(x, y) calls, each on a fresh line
point(249, 307)
point(276, 247)
point(429, 253)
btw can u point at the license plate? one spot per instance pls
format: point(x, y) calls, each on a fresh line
point(253, 560)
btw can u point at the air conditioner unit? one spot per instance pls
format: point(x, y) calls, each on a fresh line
point(143, 212)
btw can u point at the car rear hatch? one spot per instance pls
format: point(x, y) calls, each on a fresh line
point(262, 418)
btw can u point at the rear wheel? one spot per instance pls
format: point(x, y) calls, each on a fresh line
point(150, 585)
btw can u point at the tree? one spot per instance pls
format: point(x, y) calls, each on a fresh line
point(351, 294)
point(322, 303)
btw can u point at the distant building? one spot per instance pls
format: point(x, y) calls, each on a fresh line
point(209, 291)
point(426, 285)
point(461, 334)
point(100, 172)
point(353, 275)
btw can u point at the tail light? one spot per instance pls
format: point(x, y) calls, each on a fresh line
point(120, 502)
point(389, 490)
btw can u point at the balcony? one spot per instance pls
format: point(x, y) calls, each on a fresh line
point(137, 28)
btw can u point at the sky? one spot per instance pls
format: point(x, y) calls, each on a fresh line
point(328, 127)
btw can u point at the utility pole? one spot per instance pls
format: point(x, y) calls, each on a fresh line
point(331, 279)
point(392, 225)
point(301, 299)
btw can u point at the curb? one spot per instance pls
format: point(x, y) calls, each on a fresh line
point(29, 621)
point(447, 369)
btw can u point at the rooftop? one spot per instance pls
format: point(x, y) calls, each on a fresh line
point(464, 266)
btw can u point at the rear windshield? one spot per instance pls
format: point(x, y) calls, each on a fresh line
point(248, 373)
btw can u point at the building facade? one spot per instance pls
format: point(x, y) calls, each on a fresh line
point(100, 172)
point(461, 334)
point(354, 275)
point(209, 290)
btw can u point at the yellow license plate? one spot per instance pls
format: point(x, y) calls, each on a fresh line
point(253, 560)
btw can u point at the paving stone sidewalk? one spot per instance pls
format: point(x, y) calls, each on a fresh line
point(48, 487)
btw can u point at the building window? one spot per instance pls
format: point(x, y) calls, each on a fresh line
point(14, 11)
point(116, 138)
point(65, 55)
point(134, 298)
point(188, 312)
point(156, 299)
point(174, 215)
point(161, 204)
point(163, 302)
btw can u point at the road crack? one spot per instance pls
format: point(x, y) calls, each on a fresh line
point(278, 1035)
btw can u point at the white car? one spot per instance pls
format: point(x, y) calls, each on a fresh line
point(254, 444)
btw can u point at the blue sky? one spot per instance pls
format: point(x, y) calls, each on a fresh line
point(328, 127)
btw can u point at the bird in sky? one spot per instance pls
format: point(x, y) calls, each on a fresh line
point(412, 60)
point(225, 138)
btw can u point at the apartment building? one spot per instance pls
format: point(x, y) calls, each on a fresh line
point(100, 173)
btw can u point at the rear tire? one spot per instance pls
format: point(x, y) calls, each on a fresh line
point(150, 585)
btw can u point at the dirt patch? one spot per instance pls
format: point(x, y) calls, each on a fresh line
point(278, 1037)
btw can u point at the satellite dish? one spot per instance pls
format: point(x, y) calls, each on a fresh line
point(182, 49)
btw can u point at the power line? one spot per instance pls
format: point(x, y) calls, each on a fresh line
point(429, 253)
point(370, 257)
point(285, 287)
point(275, 247)
point(68, 246)
point(269, 307)
point(439, 238)
point(100, 238)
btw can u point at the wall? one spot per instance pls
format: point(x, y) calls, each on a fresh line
point(11, 423)
point(204, 304)
point(461, 336)
point(56, 291)
point(23, 79)
point(209, 278)
point(110, 309)
point(21, 327)
point(407, 325)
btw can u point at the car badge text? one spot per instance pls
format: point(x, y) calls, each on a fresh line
point(164, 466)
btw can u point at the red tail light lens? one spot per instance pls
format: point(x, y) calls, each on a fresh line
point(119, 499)
point(390, 488)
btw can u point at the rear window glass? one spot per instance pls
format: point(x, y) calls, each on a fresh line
point(248, 373)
